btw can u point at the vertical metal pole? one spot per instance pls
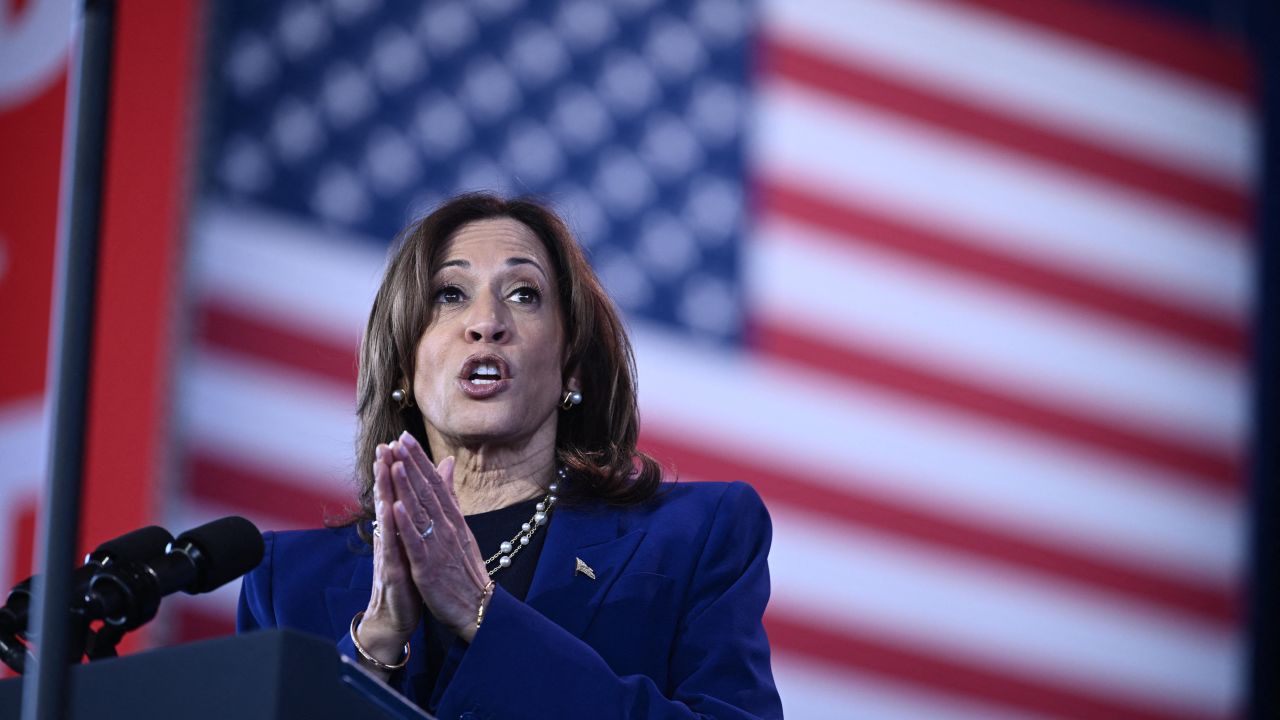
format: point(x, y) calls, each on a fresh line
point(1264, 596)
point(45, 695)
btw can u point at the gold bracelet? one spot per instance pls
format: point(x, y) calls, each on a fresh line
point(488, 590)
point(355, 622)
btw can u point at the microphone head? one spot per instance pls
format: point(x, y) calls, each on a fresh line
point(224, 549)
point(138, 546)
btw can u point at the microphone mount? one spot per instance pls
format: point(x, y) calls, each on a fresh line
point(123, 581)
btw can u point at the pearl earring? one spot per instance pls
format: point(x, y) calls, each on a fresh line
point(571, 398)
point(401, 398)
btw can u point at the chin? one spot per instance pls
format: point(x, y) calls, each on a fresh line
point(487, 428)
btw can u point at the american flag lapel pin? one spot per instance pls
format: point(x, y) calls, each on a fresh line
point(584, 568)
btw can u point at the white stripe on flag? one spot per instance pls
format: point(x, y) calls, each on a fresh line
point(951, 48)
point(815, 691)
point(1031, 347)
point(999, 617)
point(313, 281)
point(24, 444)
point(262, 415)
point(1029, 209)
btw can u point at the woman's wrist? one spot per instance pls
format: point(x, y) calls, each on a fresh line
point(468, 630)
point(379, 640)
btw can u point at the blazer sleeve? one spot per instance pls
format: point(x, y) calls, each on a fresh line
point(259, 592)
point(521, 664)
point(255, 609)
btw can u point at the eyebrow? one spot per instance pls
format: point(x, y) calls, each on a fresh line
point(511, 262)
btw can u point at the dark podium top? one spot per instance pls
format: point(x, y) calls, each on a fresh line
point(267, 675)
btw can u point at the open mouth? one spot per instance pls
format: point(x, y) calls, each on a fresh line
point(486, 374)
point(482, 374)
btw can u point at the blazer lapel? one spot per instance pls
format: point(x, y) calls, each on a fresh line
point(561, 593)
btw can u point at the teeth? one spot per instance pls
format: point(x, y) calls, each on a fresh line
point(485, 374)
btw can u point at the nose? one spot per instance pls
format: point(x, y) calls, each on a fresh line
point(487, 323)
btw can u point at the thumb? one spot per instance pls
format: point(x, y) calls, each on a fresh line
point(446, 472)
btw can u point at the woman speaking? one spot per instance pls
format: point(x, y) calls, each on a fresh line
point(513, 554)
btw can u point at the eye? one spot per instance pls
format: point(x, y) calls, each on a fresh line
point(448, 294)
point(526, 294)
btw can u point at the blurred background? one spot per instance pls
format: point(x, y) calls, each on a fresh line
point(969, 290)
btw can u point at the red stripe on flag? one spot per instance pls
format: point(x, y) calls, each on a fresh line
point(947, 534)
point(192, 622)
point(976, 121)
point(1207, 467)
point(227, 327)
point(865, 653)
point(288, 504)
point(14, 12)
point(1155, 37)
point(952, 250)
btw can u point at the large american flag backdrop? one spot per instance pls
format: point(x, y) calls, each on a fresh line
point(961, 287)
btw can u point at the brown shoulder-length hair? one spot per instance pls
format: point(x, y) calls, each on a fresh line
point(595, 441)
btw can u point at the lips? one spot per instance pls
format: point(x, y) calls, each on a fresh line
point(484, 376)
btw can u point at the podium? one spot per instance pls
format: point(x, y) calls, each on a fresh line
point(265, 675)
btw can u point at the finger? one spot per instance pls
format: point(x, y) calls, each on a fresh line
point(393, 581)
point(413, 451)
point(451, 537)
point(443, 494)
point(393, 553)
point(407, 448)
point(417, 494)
point(407, 493)
point(398, 451)
point(426, 489)
point(445, 593)
point(445, 470)
point(383, 497)
point(416, 550)
point(384, 453)
point(469, 545)
point(382, 457)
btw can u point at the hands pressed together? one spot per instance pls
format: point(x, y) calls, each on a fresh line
point(423, 552)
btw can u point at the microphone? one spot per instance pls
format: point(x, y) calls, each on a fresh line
point(134, 546)
point(127, 595)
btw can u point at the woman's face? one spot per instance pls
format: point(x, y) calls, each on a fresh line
point(488, 366)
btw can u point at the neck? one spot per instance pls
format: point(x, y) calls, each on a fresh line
point(483, 483)
point(487, 478)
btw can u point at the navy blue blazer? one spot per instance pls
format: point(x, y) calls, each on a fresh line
point(669, 628)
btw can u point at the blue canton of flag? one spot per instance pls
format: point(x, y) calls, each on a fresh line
point(628, 117)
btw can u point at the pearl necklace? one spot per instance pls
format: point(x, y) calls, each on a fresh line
point(541, 513)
